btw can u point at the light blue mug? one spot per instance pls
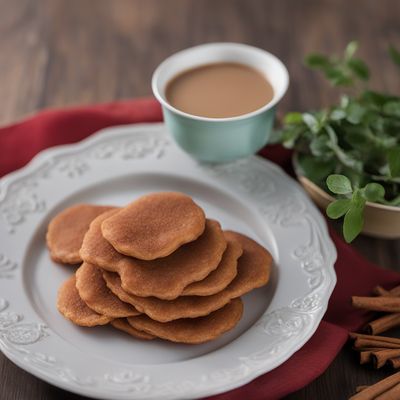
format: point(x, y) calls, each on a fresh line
point(221, 139)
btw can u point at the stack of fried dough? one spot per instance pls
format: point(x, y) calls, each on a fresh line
point(157, 268)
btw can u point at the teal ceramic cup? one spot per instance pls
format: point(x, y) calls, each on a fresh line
point(221, 139)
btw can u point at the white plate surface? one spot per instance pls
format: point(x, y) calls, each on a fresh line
point(115, 166)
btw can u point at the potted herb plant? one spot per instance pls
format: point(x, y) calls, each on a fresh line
point(347, 156)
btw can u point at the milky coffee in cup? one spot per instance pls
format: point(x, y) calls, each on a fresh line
point(219, 90)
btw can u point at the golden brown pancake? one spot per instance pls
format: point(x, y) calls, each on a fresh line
point(256, 262)
point(67, 229)
point(164, 278)
point(75, 309)
point(221, 277)
point(252, 272)
point(154, 225)
point(197, 330)
point(123, 325)
point(94, 292)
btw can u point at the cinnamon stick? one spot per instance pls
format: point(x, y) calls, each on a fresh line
point(394, 362)
point(387, 339)
point(379, 358)
point(395, 291)
point(365, 357)
point(391, 394)
point(380, 291)
point(381, 303)
point(383, 324)
point(371, 392)
point(365, 354)
point(361, 343)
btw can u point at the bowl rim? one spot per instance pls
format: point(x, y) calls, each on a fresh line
point(239, 46)
point(329, 197)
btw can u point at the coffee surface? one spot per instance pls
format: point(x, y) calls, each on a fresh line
point(219, 90)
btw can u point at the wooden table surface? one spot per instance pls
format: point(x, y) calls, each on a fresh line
point(55, 53)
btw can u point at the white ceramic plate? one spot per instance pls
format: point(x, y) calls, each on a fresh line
point(115, 166)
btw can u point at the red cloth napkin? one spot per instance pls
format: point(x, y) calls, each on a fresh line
point(356, 276)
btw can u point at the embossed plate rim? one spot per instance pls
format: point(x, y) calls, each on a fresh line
point(295, 322)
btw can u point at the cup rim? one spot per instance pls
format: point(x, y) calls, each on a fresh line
point(277, 96)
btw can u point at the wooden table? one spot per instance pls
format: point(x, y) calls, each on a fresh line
point(57, 53)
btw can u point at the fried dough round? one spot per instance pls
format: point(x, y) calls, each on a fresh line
point(123, 325)
point(94, 292)
point(252, 272)
point(221, 277)
point(154, 225)
point(255, 264)
point(198, 330)
point(72, 307)
point(67, 229)
point(164, 278)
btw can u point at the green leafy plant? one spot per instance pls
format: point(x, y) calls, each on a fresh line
point(351, 206)
point(340, 71)
point(351, 148)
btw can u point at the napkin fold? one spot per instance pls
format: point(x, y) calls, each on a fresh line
point(21, 141)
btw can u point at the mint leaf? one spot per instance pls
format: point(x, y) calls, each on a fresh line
point(314, 168)
point(339, 184)
point(359, 68)
point(344, 101)
point(316, 61)
point(347, 159)
point(351, 48)
point(337, 114)
point(311, 122)
point(358, 138)
point(353, 222)
point(338, 208)
point(374, 191)
point(290, 134)
point(293, 118)
point(340, 71)
point(337, 76)
point(375, 98)
point(319, 145)
point(355, 113)
point(392, 108)
point(394, 161)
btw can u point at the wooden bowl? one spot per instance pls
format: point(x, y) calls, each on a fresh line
point(380, 221)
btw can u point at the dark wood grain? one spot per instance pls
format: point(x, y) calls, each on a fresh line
point(62, 52)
